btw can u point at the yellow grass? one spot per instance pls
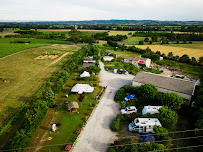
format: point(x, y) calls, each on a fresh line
point(177, 50)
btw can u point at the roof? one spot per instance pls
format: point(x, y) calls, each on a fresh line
point(72, 105)
point(85, 74)
point(147, 122)
point(136, 58)
point(86, 65)
point(168, 83)
point(80, 88)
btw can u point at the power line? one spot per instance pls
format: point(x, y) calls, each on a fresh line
point(158, 141)
point(165, 133)
point(178, 148)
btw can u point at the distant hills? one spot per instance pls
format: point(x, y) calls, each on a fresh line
point(112, 22)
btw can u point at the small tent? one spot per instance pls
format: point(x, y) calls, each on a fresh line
point(85, 74)
point(82, 88)
point(73, 106)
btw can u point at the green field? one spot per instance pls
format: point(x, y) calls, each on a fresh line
point(7, 49)
point(22, 75)
point(70, 121)
point(134, 39)
point(124, 54)
point(39, 41)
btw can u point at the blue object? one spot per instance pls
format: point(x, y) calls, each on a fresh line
point(129, 97)
point(113, 68)
point(147, 137)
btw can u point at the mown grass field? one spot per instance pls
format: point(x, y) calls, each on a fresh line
point(193, 50)
point(134, 39)
point(21, 76)
point(71, 122)
point(7, 49)
point(124, 54)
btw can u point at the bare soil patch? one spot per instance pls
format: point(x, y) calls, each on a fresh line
point(46, 57)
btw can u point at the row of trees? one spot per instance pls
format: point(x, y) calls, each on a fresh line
point(37, 112)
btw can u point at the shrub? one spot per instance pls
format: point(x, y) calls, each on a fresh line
point(115, 126)
point(120, 95)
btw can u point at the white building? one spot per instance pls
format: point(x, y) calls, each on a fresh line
point(142, 125)
point(184, 88)
point(108, 58)
point(150, 110)
point(82, 88)
point(136, 61)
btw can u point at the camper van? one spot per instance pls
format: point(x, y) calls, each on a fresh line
point(142, 125)
point(150, 110)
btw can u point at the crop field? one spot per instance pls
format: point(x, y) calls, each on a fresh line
point(193, 50)
point(22, 75)
point(7, 49)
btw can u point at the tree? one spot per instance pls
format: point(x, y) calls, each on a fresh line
point(201, 60)
point(49, 96)
point(75, 35)
point(58, 86)
point(141, 42)
point(185, 58)
point(146, 39)
point(155, 57)
point(162, 134)
point(170, 55)
point(193, 61)
point(96, 57)
point(167, 117)
point(148, 91)
point(172, 100)
point(155, 147)
point(94, 69)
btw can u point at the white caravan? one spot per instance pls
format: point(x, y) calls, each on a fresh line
point(142, 125)
point(150, 110)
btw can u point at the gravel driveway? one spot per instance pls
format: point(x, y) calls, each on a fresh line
point(97, 135)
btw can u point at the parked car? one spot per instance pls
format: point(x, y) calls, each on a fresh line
point(129, 110)
point(129, 97)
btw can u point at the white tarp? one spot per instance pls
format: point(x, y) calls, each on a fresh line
point(85, 74)
point(108, 58)
point(82, 88)
point(54, 127)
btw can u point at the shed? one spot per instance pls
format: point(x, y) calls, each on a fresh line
point(73, 106)
point(85, 74)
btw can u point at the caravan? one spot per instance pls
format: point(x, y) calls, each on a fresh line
point(142, 125)
point(150, 110)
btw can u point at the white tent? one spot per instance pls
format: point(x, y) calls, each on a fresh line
point(85, 74)
point(108, 58)
point(82, 88)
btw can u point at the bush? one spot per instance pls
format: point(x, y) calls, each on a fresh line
point(115, 126)
point(141, 42)
point(120, 95)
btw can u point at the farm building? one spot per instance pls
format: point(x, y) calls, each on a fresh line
point(150, 110)
point(184, 88)
point(108, 58)
point(82, 88)
point(85, 74)
point(136, 61)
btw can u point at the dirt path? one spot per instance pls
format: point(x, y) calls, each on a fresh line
point(60, 58)
point(97, 134)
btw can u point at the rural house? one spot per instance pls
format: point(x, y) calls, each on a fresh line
point(136, 61)
point(184, 88)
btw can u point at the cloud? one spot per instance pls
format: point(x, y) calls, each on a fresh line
point(105, 9)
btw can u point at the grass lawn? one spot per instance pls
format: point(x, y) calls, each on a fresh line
point(70, 121)
point(21, 76)
point(134, 39)
point(193, 50)
point(124, 54)
point(153, 71)
point(32, 40)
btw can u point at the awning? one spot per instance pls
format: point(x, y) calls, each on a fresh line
point(140, 62)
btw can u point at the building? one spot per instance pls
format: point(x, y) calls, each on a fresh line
point(142, 125)
point(150, 110)
point(136, 61)
point(87, 63)
point(184, 88)
point(108, 58)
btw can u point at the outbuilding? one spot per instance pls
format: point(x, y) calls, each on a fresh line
point(73, 106)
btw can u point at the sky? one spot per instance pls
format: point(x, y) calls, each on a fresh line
point(75, 10)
